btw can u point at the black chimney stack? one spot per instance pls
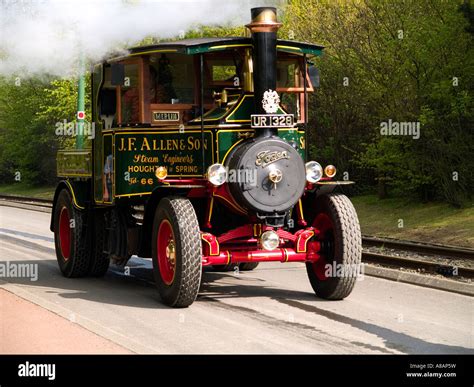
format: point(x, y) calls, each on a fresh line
point(264, 27)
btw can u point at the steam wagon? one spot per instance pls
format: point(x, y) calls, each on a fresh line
point(200, 158)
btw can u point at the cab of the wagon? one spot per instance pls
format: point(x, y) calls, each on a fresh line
point(174, 84)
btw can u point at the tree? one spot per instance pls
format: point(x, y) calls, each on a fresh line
point(29, 111)
point(402, 61)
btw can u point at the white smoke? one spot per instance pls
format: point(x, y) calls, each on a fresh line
point(49, 36)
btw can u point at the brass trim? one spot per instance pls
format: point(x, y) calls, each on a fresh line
point(228, 46)
point(292, 48)
point(211, 206)
point(266, 16)
point(300, 205)
point(264, 21)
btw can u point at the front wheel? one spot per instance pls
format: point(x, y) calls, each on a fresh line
point(176, 247)
point(333, 276)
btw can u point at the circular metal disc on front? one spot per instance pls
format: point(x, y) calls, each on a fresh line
point(275, 175)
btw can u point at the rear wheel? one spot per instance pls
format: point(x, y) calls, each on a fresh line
point(248, 266)
point(176, 247)
point(333, 276)
point(99, 257)
point(225, 268)
point(70, 237)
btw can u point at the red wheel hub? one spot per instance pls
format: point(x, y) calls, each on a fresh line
point(65, 233)
point(166, 252)
point(323, 223)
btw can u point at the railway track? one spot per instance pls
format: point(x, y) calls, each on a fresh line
point(418, 264)
point(449, 261)
point(418, 247)
point(27, 200)
point(462, 258)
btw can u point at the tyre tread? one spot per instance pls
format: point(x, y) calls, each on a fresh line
point(347, 223)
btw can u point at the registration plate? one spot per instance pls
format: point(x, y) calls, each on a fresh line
point(161, 116)
point(272, 120)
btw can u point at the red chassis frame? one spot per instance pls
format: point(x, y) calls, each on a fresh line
point(242, 243)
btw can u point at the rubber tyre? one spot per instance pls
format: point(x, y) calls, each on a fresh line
point(99, 257)
point(346, 250)
point(70, 237)
point(248, 266)
point(178, 214)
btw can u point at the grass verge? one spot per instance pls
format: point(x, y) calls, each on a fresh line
point(427, 222)
point(22, 189)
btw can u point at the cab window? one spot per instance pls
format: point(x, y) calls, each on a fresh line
point(288, 73)
point(222, 70)
point(129, 93)
point(290, 84)
point(172, 79)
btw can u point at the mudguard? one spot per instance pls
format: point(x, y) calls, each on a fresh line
point(326, 187)
point(79, 190)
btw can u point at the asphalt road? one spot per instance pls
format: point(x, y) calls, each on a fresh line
point(270, 310)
